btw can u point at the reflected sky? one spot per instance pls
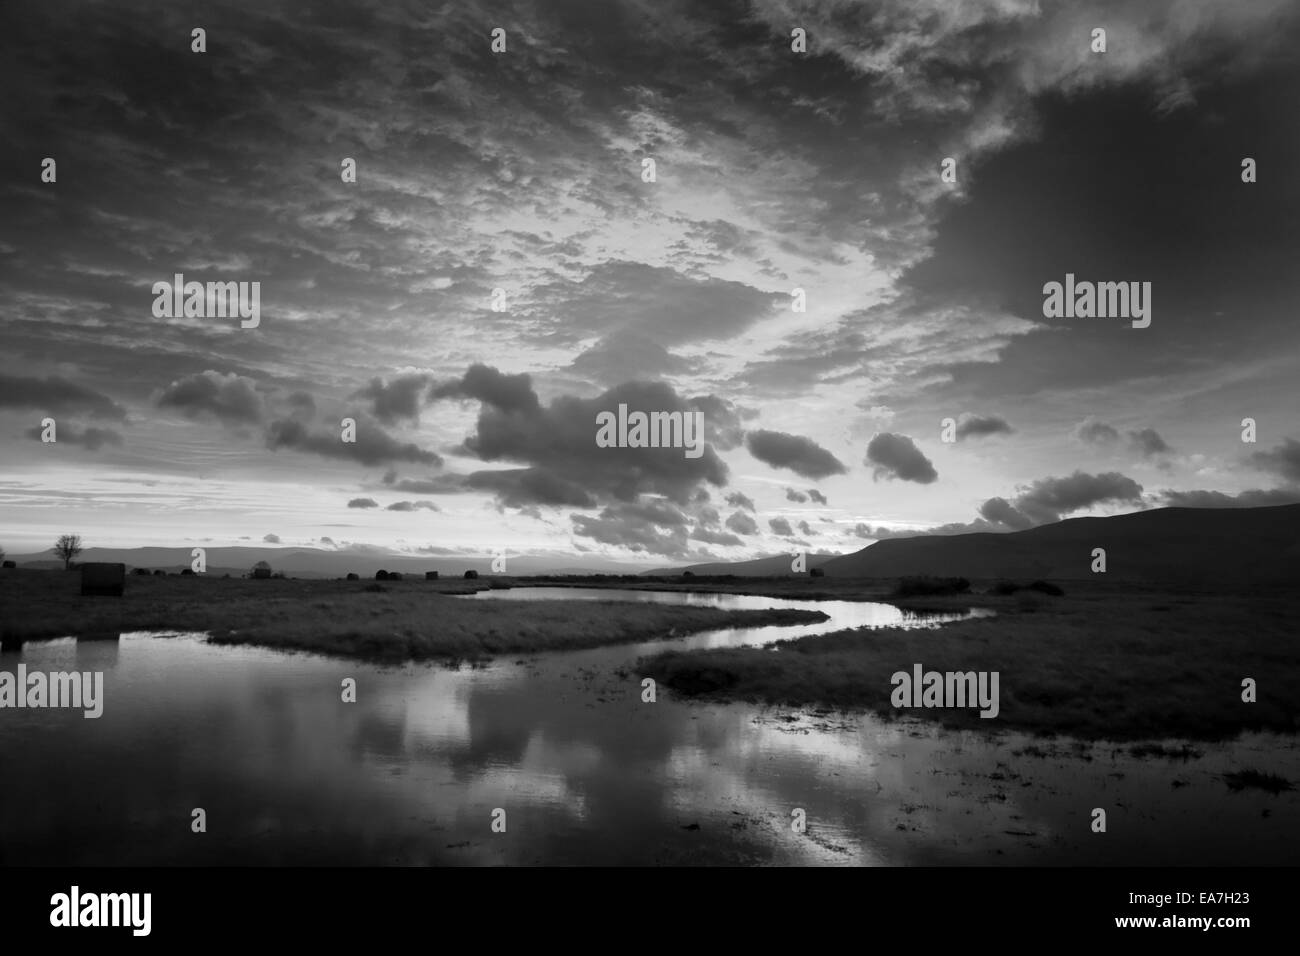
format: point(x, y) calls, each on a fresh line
point(587, 773)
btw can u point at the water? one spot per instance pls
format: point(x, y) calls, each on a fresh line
point(586, 772)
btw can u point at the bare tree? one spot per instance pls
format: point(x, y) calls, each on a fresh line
point(67, 547)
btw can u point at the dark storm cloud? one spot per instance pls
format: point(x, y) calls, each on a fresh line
point(801, 455)
point(373, 446)
point(817, 496)
point(270, 539)
point(1284, 460)
point(897, 457)
point(397, 399)
point(806, 529)
point(56, 395)
point(980, 426)
point(228, 398)
point(1227, 266)
point(92, 439)
point(558, 442)
point(363, 503)
point(780, 526)
point(797, 496)
point(738, 500)
point(742, 523)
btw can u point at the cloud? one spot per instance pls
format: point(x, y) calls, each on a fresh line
point(817, 496)
point(271, 539)
point(654, 528)
point(1148, 442)
point(792, 495)
point(712, 536)
point(806, 529)
point(412, 506)
point(228, 398)
point(1094, 432)
point(896, 456)
point(373, 446)
point(92, 439)
point(482, 383)
point(742, 523)
point(1254, 498)
point(55, 395)
point(1002, 512)
point(398, 399)
point(1284, 460)
point(558, 444)
point(801, 455)
point(980, 426)
point(738, 500)
point(781, 526)
point(363, 503)
point(1049, 499)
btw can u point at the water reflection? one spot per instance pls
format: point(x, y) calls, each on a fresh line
point(587, 773)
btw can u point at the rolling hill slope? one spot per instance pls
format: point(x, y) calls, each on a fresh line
point(1161, 545)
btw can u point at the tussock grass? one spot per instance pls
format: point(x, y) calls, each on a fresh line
point(410, 620)
point(1098, 666)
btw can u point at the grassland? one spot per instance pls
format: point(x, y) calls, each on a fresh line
point(411, 620)
point(1120, 664)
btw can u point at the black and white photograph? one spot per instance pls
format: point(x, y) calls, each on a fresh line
point(689, 434)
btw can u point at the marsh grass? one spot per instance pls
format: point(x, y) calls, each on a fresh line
point(1097, 666)
point(408, 620)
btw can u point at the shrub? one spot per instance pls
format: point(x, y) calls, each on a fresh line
point(1046, 587)
point(924, 586)
point(381, 575)
point(353, 576)
point(471, 573)
point(817, 573)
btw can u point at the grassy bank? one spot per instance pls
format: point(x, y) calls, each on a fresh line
point(1126, 664)
point(411, 620)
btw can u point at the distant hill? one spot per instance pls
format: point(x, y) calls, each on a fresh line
point(321, 563)
point(775, 566)
point(1162, 545)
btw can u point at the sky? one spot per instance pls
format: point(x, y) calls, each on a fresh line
point(522, 173)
